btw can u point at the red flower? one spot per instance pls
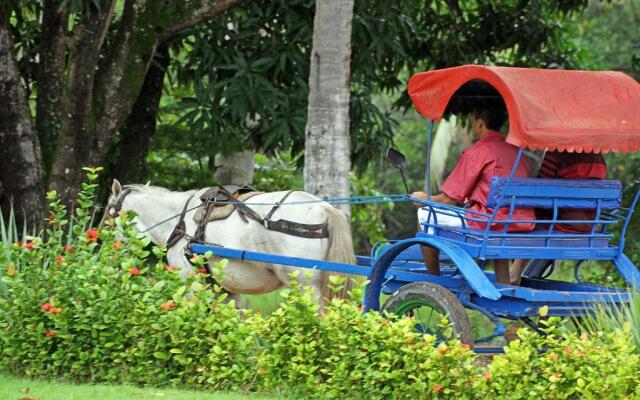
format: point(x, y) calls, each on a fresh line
point(134, 271)
point(59, 259)
point(168, 305)
point(52, 216)
point(54, 310)
point(437, 388)
point(50, 333)
point(46, 307)
point(92, 235)
point(168, 267)
point(202, 271)
point(29, 246)
point(116, 245)
point(409, 342)
point(68, 248)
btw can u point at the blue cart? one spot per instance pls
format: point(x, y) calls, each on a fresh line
point(573, 111)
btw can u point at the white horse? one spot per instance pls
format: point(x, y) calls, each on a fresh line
point(155, 204)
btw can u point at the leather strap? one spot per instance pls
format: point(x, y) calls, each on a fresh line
point(180, 230)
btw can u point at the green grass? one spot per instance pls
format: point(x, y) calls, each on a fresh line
point(12, 388)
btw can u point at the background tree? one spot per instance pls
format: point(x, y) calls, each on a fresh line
point(243, 83)
point(85, 64)
point(327, 155)
point(235, 81)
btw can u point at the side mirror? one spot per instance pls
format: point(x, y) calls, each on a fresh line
point(396, 158)
point(399, 161)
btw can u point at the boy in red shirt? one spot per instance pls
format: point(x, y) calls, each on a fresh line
point(470, 180)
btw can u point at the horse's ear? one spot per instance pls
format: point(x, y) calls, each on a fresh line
point(116, 188)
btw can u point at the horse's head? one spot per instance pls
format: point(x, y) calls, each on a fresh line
point(116, 200)
point(150, 205)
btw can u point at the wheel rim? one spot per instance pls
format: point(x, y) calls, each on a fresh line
point(427, 316)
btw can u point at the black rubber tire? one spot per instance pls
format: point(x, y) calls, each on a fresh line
point(437, 297)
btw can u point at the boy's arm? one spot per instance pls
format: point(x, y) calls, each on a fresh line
point(440, 198)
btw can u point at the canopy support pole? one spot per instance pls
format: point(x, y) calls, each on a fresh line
point(427, 178)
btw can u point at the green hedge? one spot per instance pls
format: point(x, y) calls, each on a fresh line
point(89, 307)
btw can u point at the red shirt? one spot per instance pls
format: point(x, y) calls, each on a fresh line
point(564, 165)
point(471, 178)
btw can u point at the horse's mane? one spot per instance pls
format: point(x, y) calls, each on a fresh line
point(138, 187)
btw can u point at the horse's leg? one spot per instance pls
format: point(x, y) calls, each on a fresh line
point(176, 257)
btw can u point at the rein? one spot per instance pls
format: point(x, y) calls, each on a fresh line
point(392, 198)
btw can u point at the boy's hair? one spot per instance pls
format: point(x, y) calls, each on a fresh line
point(494, 114)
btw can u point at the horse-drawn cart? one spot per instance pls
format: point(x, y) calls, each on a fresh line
point(573, 111)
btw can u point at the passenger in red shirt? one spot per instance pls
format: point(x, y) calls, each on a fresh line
point(565, 165)
point(470, 180)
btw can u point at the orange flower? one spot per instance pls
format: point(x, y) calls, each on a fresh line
point(168, 267)
point(442, 349)
point(46, 307)
point(54, 310)
point(59, 259)
point(50, 333)
point(116, 245)
point(134, 271)
point(68, 248)
point(202, 271)
point(409, 342)
point(437, 388)
point(168, 305)
point(92, 235)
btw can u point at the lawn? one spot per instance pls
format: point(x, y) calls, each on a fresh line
point(22, 389)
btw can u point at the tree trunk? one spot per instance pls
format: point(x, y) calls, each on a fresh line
point(327, 161)
point(20, 160)
point(50, 78)
point(100, 97)
point(136, 134)
point(236, 168)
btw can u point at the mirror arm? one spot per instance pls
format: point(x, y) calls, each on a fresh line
point(404, 181)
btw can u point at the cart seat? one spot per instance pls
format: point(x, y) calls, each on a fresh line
point(545, 242)
point(528, 239)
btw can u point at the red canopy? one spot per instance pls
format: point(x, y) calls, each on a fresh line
point(555, 109)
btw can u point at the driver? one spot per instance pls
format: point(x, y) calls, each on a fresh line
point(470, 180)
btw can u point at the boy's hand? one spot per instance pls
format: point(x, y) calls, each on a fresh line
point(419, 195)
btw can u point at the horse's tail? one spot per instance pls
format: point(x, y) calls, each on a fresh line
point(340, 250)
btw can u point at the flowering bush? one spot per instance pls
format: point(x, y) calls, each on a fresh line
point(87, 305)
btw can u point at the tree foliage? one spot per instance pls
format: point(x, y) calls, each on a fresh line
point(249, 74)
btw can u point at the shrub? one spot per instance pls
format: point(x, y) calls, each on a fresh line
point(87, 305)
point(573, 366)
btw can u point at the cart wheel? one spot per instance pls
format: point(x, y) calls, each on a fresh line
point(428, 303)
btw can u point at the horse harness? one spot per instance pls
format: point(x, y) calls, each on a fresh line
point(223, 195)
point(118, 206)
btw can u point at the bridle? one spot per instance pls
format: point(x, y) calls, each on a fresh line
point(114, 210)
